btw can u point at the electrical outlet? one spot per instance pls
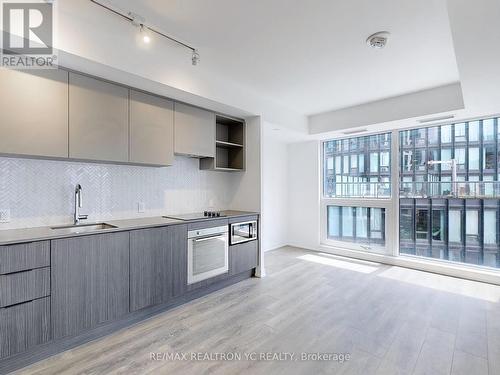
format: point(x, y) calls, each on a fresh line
point(141, 207)
point(4, 216)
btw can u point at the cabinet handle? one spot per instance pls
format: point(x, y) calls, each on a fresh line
point(15, 304)
point(209, 238)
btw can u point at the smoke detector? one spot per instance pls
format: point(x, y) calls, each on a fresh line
point(378, 40)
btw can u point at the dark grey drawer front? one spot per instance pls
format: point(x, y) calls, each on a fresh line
point(208, 224)
point(243, 257)
point(24, 326)
point(24, 286)
point(15, 258)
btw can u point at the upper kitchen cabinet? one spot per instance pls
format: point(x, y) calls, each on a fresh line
point(151, 129)
point(194, 131)
point(98, 120)
point(34, 113)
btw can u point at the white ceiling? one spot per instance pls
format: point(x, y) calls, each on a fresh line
point(311, 56)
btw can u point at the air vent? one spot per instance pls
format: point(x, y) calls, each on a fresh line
point(442, 118)
point(354, 131)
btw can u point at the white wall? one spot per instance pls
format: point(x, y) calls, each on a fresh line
point(112, 42)
point(303, 195)
point(274, 189)
point(476, 38)
point(247, 186)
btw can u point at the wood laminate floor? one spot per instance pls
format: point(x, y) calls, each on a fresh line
point(390, 320)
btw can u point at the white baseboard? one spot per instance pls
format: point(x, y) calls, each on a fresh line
point(274, 247)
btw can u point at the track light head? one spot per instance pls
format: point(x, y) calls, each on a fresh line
point(145, 35)
point(195, 58)
point(136, 19)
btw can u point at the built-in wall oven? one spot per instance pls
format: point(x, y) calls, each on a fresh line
point(208, 253)
point(243, 232)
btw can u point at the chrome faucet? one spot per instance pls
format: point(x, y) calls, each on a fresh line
point(78, 205)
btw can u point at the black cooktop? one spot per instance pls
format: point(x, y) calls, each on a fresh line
point(198, 215)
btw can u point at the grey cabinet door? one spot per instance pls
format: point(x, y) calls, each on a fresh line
point(23, 326)
point(151, 129)
point(90, 281)
point(158, 265)
point(194, 131)
point(98, 119)
point(145, 247)
point(178, 266)
point(243, 257)
point(34, 113)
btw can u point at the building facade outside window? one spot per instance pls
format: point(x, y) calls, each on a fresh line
point(435, 222)
point(358, 167)
point(448, 204)
point(357, 192)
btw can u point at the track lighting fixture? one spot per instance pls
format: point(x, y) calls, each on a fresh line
point(145, 30)
point(195, 59)
point(145, 35)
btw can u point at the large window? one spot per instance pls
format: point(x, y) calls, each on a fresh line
point(356, 192)
point(356, 224)
point(358, 167)
point(448, 204)
point(445, 219)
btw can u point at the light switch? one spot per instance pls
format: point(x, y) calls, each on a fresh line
point(141, 207)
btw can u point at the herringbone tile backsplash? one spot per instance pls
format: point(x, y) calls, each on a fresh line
point(40, 192)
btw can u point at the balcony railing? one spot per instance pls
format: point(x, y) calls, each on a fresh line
point(358, 190)
point(470, 189)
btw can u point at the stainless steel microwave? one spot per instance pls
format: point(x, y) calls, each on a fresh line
point(243, 232)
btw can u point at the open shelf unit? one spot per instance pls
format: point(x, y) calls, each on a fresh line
point(229, 146)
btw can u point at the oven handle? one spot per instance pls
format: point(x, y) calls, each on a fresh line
point(253, 227)
point(209, 238)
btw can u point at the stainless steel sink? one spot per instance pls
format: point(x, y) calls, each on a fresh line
point(83, 228)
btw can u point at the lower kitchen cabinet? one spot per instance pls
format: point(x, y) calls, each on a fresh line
point(90, 281)
point(23, 257)
point(24, 286)
point(24, 326)
point(243, 257)
point(57, 292)
point(158, 265)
